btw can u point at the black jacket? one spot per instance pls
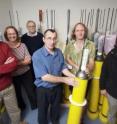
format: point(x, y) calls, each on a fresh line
point(108, 78)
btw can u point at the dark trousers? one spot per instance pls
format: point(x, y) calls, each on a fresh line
point(26, 81)
point(46, 97)
point(32, 71)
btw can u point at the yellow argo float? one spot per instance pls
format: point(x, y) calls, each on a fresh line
point(103, 115)
point(67, 90)
point(92, 111)
point(100, 102)
point(77, 98)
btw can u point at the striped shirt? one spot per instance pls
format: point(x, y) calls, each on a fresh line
point(21, 52)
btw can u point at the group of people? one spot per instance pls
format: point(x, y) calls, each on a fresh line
point(34, 59)
point(16, 70)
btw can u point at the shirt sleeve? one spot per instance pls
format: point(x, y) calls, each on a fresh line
point(27, 54)
point(39, 67)
point(64, 66)
point(8, 68)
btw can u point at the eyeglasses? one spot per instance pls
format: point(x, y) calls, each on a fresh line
point(49, 38)
point(31, 26)
point(11, 34)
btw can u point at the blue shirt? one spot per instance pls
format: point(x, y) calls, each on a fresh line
point(46, 63)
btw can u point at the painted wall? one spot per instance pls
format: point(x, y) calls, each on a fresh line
point(5, 7)
point(28, 9)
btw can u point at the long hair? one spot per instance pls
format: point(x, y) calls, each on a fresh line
point(73, 31)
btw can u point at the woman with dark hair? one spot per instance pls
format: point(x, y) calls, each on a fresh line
point(73, 51)
point(108, 82)
point(22, 76)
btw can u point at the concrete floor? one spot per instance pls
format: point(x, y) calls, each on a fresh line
point(31, 115)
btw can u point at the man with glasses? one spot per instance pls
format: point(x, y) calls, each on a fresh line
point(48, 63)
point(32, 39)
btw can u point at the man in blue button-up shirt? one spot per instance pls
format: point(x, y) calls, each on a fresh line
point(48, 63)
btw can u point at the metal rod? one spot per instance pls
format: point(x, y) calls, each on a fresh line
point(103, 19)
point(51, 19)
point(47, 18)
point(100, 19)
point(106, 28)
point(88, 19)
point(81, 16)
point(10, 17)
point(54, 19)
point(85, 17)
point(111, 19)
point(97, 20)
point(18, 19)
point(40, 20)
point(92, 18)
point(68, 25)
point(115, 19)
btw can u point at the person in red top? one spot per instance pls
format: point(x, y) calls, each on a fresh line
point(8, 64)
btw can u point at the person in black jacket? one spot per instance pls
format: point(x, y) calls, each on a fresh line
point(32, 39)
point(108, 82)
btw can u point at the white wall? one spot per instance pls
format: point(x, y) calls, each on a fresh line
point(5, 6)
point(28, 9)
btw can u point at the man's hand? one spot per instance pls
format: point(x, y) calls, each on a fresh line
point(104, 92)
point(87, 70)
point(9, 60)
point(71, 81)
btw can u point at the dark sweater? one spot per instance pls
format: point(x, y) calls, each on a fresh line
point(108, 78)
point(33, 43)
point(6, 69)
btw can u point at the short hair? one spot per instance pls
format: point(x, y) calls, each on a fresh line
point(85, 29)
point(51, 30)
point(30, 21)
point(6, 35)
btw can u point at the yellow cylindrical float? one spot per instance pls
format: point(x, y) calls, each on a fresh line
point(77, 100)
point(100, 102)
point(92, 111)
point(103, 115)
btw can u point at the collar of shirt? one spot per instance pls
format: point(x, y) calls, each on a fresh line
point(46, 53)
point(32, 35)
point(86, 42)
